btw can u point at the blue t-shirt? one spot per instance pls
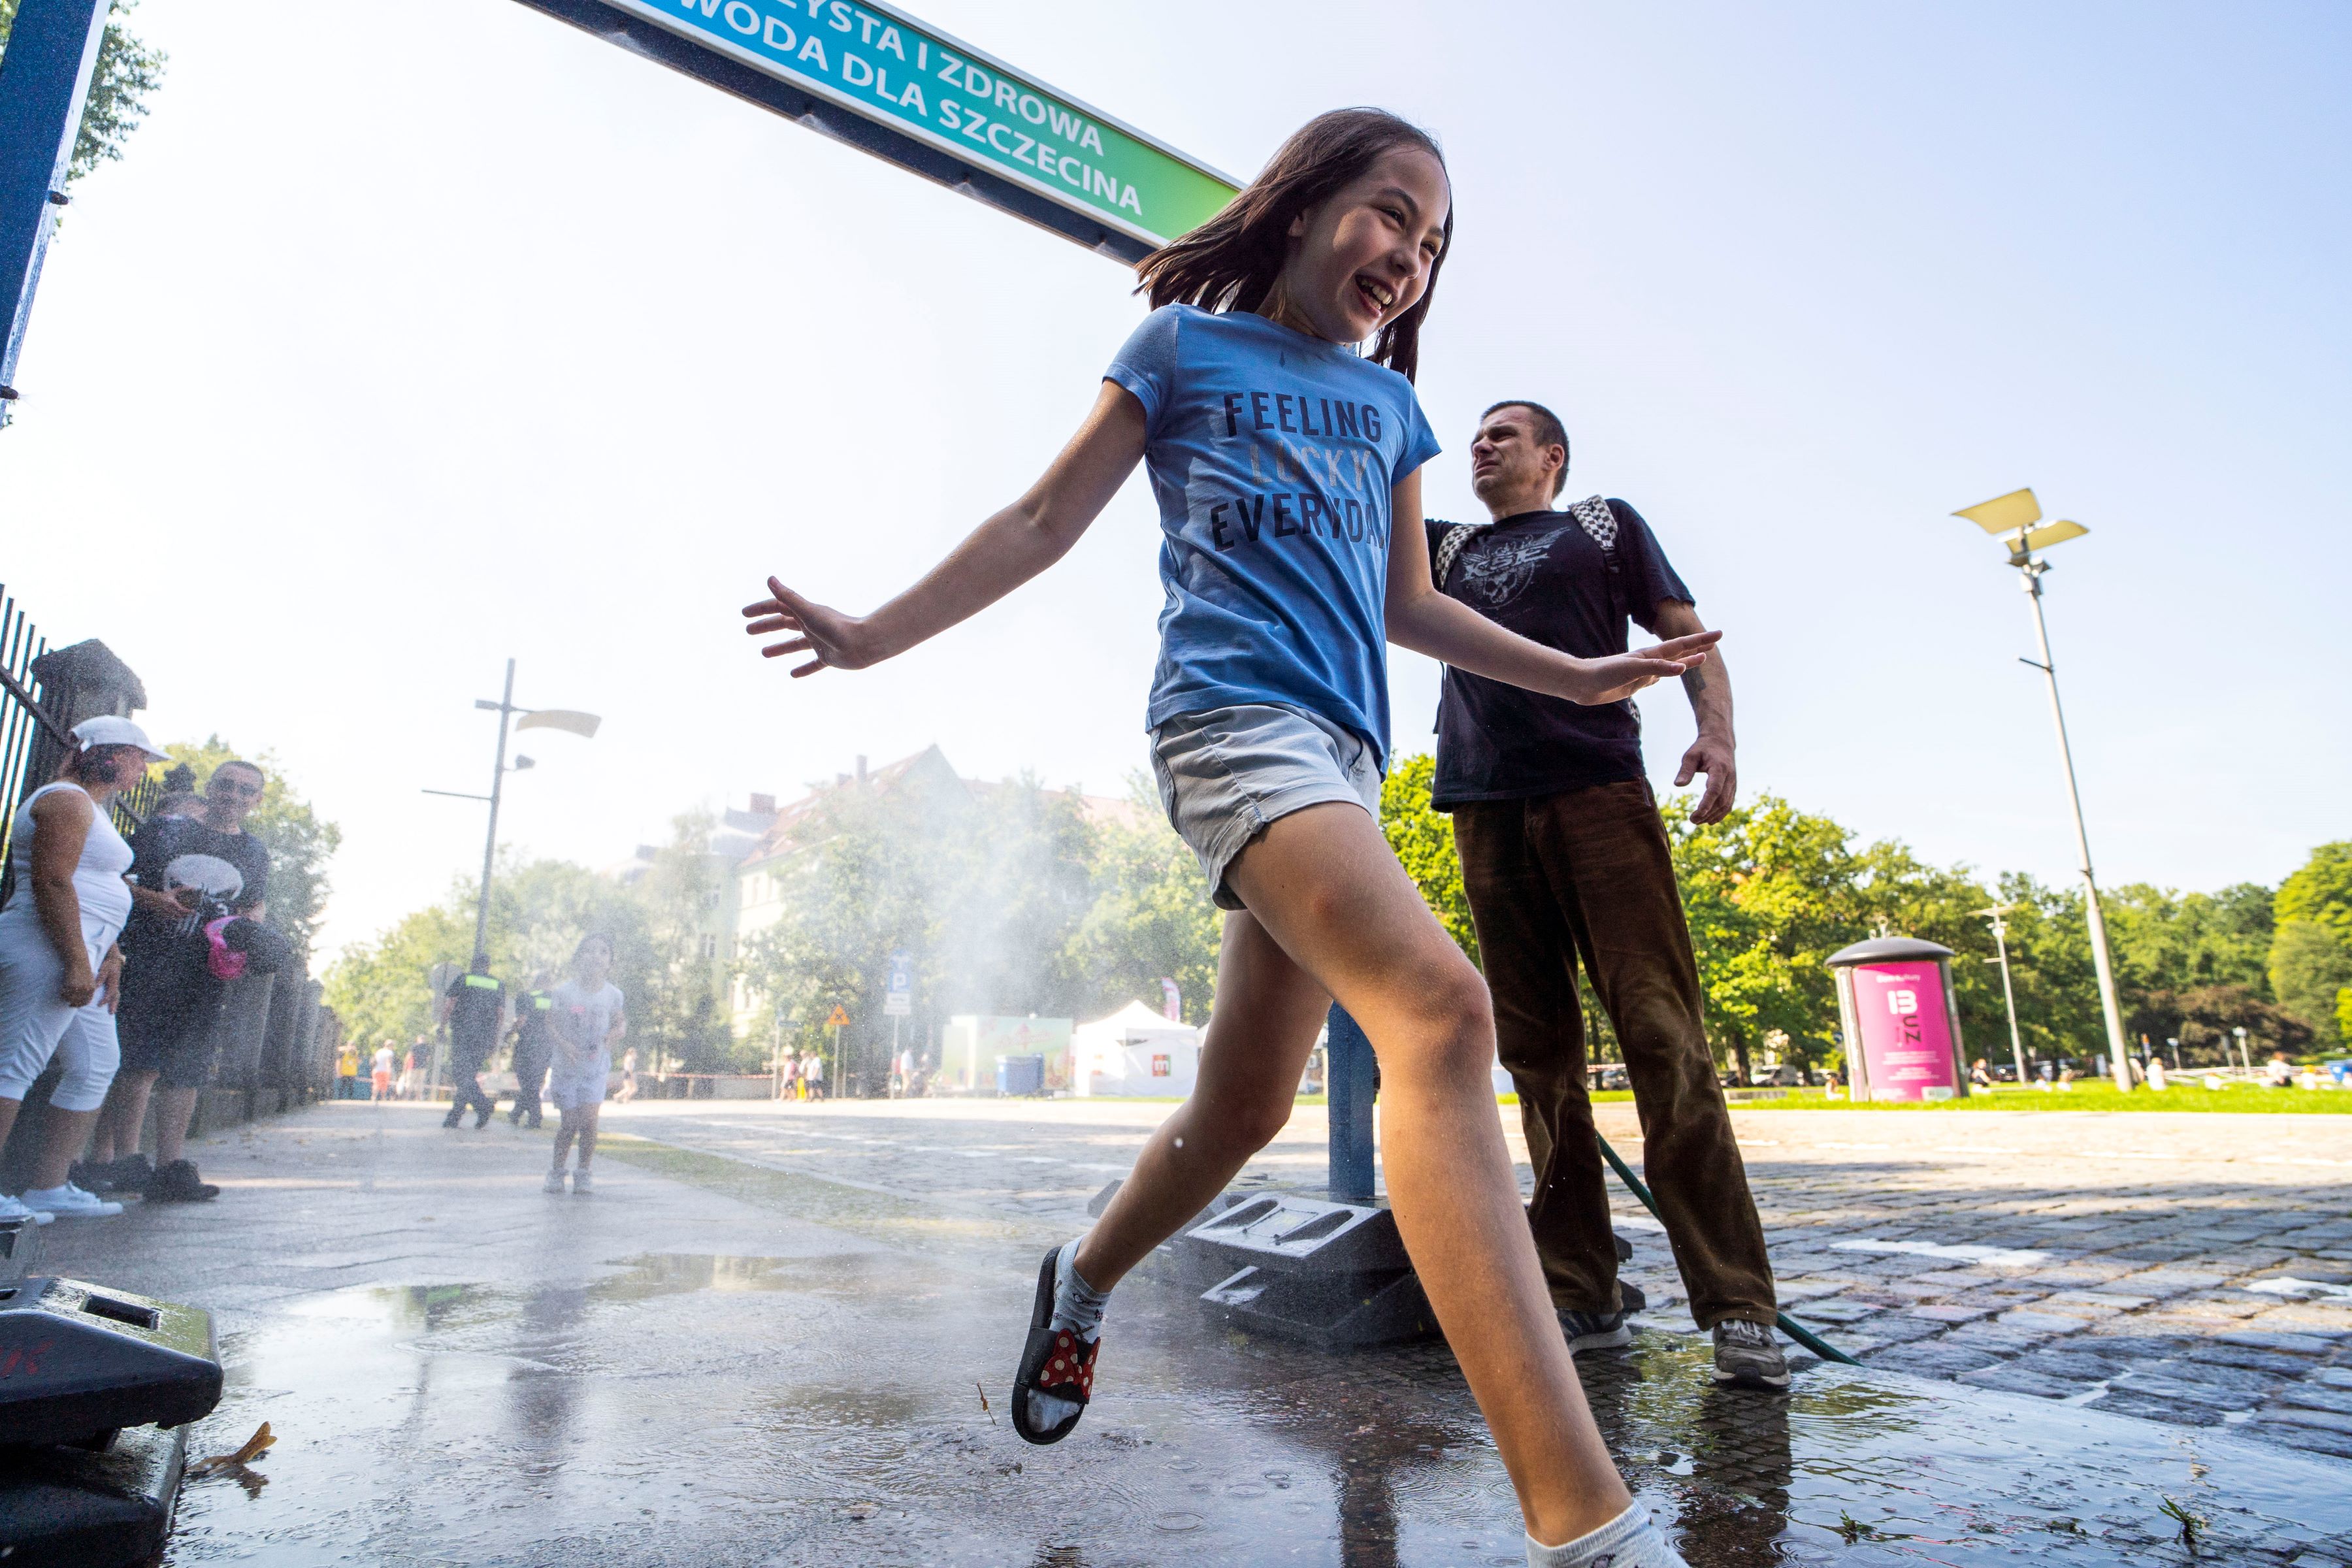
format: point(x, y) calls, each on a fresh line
point(1272, 455)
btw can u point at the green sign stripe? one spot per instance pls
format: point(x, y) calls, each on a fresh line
point(879, 63)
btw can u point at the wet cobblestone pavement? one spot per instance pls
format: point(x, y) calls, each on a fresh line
point(2193, 1269)
point(778, 1356)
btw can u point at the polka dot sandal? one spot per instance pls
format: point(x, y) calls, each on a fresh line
point(1054, 1361)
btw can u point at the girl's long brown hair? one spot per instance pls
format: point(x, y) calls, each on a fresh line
point(1231, 262)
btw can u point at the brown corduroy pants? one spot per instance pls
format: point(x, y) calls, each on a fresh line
point(1586, 875)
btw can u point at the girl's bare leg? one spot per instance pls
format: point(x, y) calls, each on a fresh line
point(1324, 885)
point(1268, 1010)
point(588, 1114)
point(566, 1129)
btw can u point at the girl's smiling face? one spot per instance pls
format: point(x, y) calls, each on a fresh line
point(1361, 257)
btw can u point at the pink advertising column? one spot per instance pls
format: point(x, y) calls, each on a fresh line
point(1902, 1025)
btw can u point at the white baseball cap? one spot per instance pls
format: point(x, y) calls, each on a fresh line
point(110, 729)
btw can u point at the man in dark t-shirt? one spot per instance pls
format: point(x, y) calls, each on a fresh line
point(185, 873)
point(1564, 859)
point(475, 1009)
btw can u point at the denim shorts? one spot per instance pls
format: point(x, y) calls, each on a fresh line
point(1227, 773)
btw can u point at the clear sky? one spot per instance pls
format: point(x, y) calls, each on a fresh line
point(412, 336)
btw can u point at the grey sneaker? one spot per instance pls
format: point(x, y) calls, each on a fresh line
point(1746, 1355)
point(554, 1181)
point(1594, 1331)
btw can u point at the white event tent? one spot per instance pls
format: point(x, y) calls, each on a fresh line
point(1135, 1052)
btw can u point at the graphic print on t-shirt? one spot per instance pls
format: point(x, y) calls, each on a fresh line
point(1501, 573)
point(214, 879)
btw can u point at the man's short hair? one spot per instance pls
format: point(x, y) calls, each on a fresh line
point(253, 768)
point(1550, 432)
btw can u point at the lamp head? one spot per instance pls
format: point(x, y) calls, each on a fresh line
point(2012, 519)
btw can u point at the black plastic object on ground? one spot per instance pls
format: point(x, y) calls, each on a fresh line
point(80, 1361)
point(76, 1508)
point(79, 1365)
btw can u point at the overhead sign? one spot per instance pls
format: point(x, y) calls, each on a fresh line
point(881, 63)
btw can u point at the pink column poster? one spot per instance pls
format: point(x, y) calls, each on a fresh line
point(1907, 1036)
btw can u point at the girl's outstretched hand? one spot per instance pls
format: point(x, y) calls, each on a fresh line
point(1621, 675)
point(834, 638)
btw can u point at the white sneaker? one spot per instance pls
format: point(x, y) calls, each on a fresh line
point(580, 1183)
point(12, 1209)
point(69, 1202)
point(554, 1181)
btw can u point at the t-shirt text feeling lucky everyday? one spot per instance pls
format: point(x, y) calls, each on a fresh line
point(1321, 450)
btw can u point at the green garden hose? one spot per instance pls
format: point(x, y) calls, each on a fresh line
point(1789, 1325)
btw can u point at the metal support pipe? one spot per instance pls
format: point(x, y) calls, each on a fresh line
point(491, 841)
point(2008, 992)
point(2031, 571)
point(44, 83)
point(1348, 1086)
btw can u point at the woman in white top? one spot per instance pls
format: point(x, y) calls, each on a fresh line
point(60, 972)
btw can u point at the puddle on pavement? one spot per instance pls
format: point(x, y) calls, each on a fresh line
point(827, 1410)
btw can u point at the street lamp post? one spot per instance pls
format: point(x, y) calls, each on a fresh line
point(2243, 1055)
point(2012, 519)
point(2007, 996)
point(577, 724)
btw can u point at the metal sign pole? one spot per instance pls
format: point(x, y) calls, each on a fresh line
point(44, 84)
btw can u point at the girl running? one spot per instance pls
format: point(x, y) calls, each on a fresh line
point(587, 1017)
point(1286, 466)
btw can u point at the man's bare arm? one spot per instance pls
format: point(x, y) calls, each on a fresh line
point(1708, 687)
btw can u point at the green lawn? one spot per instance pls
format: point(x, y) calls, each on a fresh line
point(2186, 1094)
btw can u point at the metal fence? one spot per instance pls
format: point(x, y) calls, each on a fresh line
point(32, 738)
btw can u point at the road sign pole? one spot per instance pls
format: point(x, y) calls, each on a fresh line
point(44, 85)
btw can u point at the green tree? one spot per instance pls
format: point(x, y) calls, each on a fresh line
point(540, 910)
point(1422, 837)
point(876, 871)
point(377, 987)
point(679, 1006)
point(2311, 951)
point(1153, 916)
point(126, 72)
point(300, 843)
point(2310, 964)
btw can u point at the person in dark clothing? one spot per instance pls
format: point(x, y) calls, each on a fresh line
point(475, 1009)
point(534, 1044)
point(185, 873)
point(1564, 859)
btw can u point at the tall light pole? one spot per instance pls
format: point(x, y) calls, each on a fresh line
point(577, 724)
point(2007, 996)
point(2012, 519)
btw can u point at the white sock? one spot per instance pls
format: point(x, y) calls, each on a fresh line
point(1629, 1540)
point(1077, 1307)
